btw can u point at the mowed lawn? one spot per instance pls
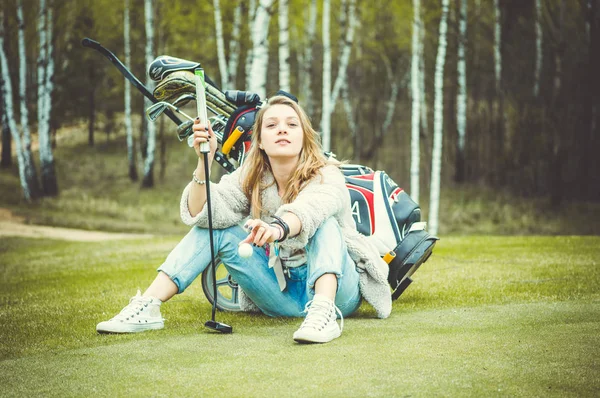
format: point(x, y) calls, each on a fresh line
point(486, 316)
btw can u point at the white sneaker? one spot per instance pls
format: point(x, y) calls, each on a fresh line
point(320, 325)
point(142, 313)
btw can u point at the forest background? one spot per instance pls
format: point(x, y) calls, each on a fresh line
point(496, 102)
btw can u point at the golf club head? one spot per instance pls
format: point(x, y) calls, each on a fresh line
point(184, 130)
point(154, 111)
point(218, 327)
point(184, 99)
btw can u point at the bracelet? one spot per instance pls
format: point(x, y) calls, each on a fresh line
point(280, 229)
point(196, 180)
point(285, 227)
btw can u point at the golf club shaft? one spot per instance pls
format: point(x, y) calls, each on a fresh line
point(87, 42)
point(210, 234)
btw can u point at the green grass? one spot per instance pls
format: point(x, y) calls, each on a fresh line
point(486, 316)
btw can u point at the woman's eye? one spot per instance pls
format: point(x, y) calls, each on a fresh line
point(293, 125)
point(270, 125)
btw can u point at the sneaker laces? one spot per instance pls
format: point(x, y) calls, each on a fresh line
point(316, 319)
point(136, 304)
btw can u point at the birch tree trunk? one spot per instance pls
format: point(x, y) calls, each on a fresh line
point(260, 48)
point(415, 153)
point(438, 123)
point(220, 44)
point(306, 67)
point(557, 150)
point(41, 64)
point(461, 98)
point(497, 42)
point(133, 175)
point(346, 49)
point(497, 160)
point(422, 74)
point(148, 179)
point(249, 54)
point(6, 161)
point(7, 95)
point(234, 46)
point(326, 90)
point(391, 103)
point(284, 46)
point(539, 40)
point(48, 172)
point(30, 171)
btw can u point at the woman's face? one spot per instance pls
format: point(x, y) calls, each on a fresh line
point(281, 133)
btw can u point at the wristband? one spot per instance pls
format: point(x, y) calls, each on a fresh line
point(285, 227)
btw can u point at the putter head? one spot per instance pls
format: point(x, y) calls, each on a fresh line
point(154, 111)
point(218, 327)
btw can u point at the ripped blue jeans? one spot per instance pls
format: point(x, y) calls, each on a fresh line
point(326, 254)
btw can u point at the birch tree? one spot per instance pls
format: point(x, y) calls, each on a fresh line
point(438, 123)
point(30, 171)
point(220, 44)
point(424, 107)
point(539, 40)
point(461, 98)
point(345, 49)
point(415, 157)
point(346, 42)
point(306, 64)
point(326, 89)
point(133, 175)
point(234, 46)
point(148, 180)
point(249, 54)
point(7, 94)
point(6, 160)
point(284, 46)
point(260, 48)
point(45, 88)
point(497, 42)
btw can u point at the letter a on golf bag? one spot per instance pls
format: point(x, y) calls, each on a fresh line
point(392, 221)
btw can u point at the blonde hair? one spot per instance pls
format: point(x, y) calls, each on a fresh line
point(256, 164)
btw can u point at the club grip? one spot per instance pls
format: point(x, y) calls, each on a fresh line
point(201, 104)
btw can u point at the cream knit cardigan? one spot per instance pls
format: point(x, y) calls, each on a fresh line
point(323, 197)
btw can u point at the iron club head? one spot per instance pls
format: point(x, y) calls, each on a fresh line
point(154, 111)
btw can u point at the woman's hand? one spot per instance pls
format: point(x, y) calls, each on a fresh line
point(202, 134)
point(261, 232)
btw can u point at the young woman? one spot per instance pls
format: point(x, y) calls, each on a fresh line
point(292, 204)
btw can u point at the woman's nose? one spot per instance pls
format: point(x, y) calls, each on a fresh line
point(282, 128)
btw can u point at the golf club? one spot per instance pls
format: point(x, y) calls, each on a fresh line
point(154, 111)
point(205, 149)
point(184, 99)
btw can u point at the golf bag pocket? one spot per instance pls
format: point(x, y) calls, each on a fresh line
point(411, 252)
